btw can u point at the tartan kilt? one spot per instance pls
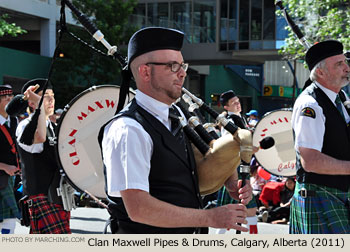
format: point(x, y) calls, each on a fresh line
point(320, 214)
point(48, 218)
point(8, 205)
point(224, 198)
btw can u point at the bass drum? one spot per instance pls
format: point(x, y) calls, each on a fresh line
point(77, 150)
point(280, 159)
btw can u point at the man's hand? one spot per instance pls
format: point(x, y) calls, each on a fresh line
point(30, 94)
point(11, 169)
point(228, 216)
point(243, 194)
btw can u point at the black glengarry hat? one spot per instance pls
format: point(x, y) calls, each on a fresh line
point(224, 97)
point(152, 39)
point(321, 51)
point(33, 82)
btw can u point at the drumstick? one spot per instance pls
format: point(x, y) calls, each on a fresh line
point(33, 90)
point(96, 199)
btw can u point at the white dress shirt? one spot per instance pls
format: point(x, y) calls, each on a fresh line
point(3, 120)
point(34, 148)
point(127, 148)
point(309, 132)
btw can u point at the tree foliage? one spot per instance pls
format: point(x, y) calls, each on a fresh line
point(9, 28)
point(80, 67)
point(318, 20)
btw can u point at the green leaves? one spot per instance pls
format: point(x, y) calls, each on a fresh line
point(82, 67)
point(10, 29)
point(319, 20)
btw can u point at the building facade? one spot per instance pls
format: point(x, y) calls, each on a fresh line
point(230, 44)
point(29, 55)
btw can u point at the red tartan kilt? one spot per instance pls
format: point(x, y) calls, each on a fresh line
point(48, 218)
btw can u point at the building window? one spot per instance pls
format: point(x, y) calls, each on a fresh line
point(228, 25)
point(196, 18)
point(180, 18)
point(256, 20)
point(138, 18)
point(204, 21)
point(158, 14)
point(256, 28)
point(269, 20)
point(243, 20)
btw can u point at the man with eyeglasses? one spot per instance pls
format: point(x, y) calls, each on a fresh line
point(151, 174)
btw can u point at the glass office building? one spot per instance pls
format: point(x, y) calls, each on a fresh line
point(232, 24)
point(232, 38)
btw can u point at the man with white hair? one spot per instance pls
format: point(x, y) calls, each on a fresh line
point(320, 123)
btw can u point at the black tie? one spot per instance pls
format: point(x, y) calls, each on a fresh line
point(175, 122)
point(339, 106)
point(176, 128)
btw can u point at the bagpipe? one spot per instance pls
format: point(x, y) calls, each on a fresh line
point(217, 158)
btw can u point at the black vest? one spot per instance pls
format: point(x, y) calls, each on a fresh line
point(239, 121)
point(40, 170)
point(173, 177)
point(336, 143)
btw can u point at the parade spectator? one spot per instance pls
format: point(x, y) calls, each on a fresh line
point(252, 118)
point(256, 182)
point(277, 197)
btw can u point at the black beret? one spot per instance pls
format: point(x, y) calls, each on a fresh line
point(152, 39)
point(224, 97)
point(33, 82)
point(5, 89)
point(321, 51)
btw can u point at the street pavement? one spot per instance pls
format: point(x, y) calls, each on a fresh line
point(86, 220)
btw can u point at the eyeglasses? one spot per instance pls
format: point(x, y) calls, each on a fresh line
point(174, 66)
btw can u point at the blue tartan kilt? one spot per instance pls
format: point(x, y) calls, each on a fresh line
point(326, 213)
point(8, 204)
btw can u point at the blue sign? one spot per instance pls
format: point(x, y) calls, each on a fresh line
point(254, 75)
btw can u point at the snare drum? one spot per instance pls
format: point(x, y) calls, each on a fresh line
point(77, 150)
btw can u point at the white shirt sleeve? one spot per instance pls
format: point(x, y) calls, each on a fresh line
point(34, 148)
point(309, 130)
point(127, 150)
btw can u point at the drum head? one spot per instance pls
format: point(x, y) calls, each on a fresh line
point(279, 159)
point(78, 151)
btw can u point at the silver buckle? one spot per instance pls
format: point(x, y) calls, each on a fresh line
point(30, 203)
point(303, 193)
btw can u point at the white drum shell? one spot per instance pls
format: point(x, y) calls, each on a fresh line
point(281, 158)
point(78, 149)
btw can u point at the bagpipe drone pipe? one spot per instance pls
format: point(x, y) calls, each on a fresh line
point(304, 42)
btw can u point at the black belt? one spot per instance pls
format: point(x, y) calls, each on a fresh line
point(304, 193)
